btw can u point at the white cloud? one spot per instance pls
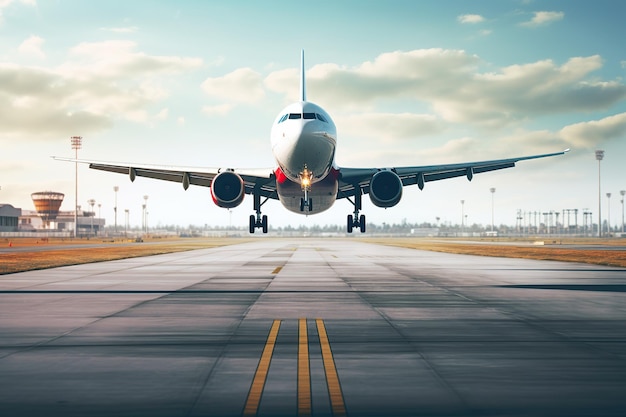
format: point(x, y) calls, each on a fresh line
point(118, 58)
point(470, 18)
point(163, 114)
point(32, 47)
point(6, 3)
point(241, 86)
point(592, 133)
point(543, 18)
point(218, 110)
point(451, 84)
point(388, 126)
point(100, 83)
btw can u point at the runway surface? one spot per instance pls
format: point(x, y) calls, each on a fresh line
point(314, 327)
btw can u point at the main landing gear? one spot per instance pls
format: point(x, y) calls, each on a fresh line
point(356, 220)
point(259, 220)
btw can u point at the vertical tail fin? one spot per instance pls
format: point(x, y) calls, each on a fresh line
point(302, 81)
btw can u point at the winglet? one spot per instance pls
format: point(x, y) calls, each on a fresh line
point(302, 82)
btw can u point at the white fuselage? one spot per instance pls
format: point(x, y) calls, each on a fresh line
point(304, 139)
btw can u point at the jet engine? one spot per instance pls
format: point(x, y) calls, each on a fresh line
point(227, 189)
point(385, 189)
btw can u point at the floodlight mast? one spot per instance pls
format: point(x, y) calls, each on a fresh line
point(115, 190)
point(599, 157)
point(622, 193)
point(492, 190)
point(77, 142)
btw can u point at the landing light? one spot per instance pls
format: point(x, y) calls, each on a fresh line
point(305, 178)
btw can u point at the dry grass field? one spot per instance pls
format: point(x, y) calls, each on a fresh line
point(41, 258)
point(564, 250)
point(80, 251)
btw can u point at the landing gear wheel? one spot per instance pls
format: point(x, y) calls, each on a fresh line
point(258, 220)
point(252, 223)
point(306, 204)
point(356, 220)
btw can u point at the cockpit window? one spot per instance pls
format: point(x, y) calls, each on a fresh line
point(306, 116)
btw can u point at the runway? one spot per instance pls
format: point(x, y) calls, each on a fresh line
point(283, 327)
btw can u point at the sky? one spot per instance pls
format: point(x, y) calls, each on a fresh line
point(199, 83)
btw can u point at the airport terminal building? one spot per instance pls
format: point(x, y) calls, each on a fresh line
point(9, 218)
point(48, 219)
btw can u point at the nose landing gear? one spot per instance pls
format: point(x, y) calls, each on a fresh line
point(305, 180)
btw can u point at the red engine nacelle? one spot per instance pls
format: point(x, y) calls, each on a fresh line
point(227, 189)
point(385, 189)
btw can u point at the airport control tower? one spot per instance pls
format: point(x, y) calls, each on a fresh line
point(47, 204)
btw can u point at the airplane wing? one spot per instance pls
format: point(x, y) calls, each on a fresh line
point(352, 178)
point(262, 179)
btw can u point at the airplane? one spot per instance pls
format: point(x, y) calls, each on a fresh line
point(306, 179)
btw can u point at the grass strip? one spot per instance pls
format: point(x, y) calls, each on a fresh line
point(547, 253)
point(11, 262)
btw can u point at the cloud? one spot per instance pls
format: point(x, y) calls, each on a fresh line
point(6, 3)
point(218, 110)
point(578, 136)
point(389, 126)
point(390, 75)
point(241, 86)
point(590, 134)
point(543, 18)
point(470, 18)
point(100, 83)
point(118, 58)
point(449, 81)
point(32, 47)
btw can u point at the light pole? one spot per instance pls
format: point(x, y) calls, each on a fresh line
point(608, 219)
point(91, 202)
point(126, 226)
point(599, 157)
point(622, 193)
point(77, 142)
point(115, 189)
point(145, 213)
point(462, 216)
point(493, 191)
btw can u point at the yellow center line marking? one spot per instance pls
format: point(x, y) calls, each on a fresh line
point(304, 377)
point(258, 383)
point(332, 379)
point(277, 270)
